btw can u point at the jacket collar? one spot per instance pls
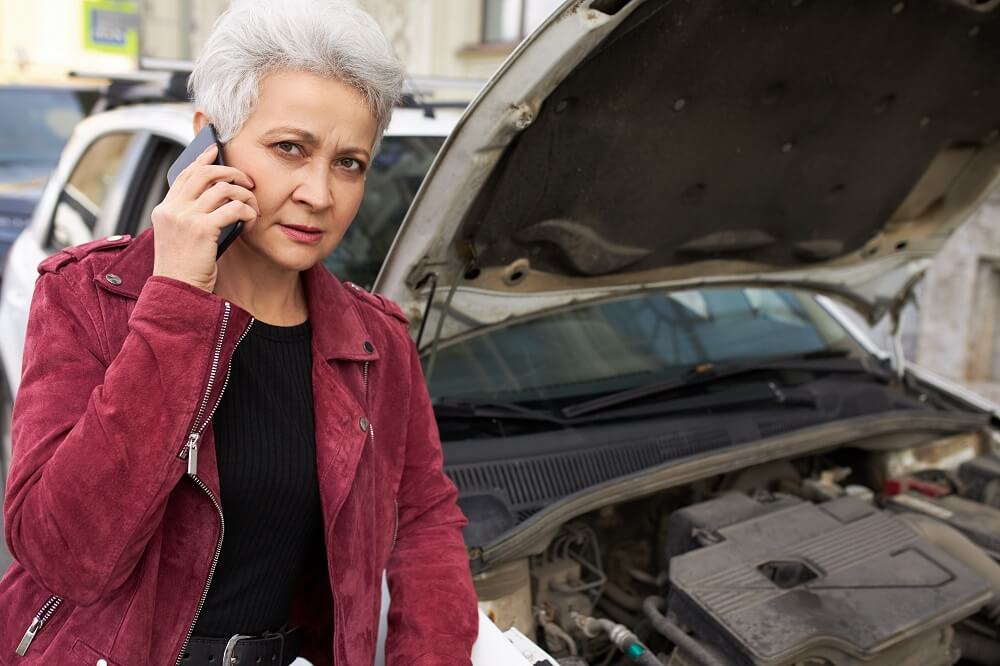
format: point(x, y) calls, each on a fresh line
point(339, 333)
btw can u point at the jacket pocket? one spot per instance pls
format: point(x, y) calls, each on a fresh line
point(38, 622)
point(84, 655)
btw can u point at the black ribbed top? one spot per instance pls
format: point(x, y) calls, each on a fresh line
point(266, 449)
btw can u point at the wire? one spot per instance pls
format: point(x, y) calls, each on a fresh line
point(694, 651)
point(433, 278)
point(440, 323)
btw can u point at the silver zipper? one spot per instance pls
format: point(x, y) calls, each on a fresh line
point(364, 378)
point(193, 452)
point(395, 527)
point(211, 571)
point(189, 451)
point(37, 622)
point(371, 426)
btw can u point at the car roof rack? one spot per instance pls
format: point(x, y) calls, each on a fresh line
point(169, 84)
point(429, 107)
point(127, 88)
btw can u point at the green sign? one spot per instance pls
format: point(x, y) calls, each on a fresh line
point(111, 26)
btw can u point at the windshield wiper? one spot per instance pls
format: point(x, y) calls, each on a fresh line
point(491, 409)
point(817, 362)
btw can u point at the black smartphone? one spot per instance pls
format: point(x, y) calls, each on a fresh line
point(205, 138)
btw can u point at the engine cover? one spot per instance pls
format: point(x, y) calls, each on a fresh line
point(842, 581)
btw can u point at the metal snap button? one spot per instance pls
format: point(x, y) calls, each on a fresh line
point(113, 279)
point(102, 662)
point(114, 239)
point(369, 347)
point(363, 423)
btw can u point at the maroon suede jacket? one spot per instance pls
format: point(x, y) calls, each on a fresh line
point(112, 512)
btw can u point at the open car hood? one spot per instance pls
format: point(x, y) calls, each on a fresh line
point(648, 144)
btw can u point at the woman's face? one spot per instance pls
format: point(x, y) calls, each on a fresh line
point(306, 146)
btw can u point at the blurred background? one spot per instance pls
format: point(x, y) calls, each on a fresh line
point(450, 46)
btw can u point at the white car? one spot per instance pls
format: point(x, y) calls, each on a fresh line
point(670, 445)
point(113, 172)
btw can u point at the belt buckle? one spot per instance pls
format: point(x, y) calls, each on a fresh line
point(228, 656)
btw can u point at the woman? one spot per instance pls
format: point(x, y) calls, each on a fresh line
point(215, 461)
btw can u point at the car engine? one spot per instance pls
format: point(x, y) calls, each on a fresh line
point(783, 581)
point(791, 563)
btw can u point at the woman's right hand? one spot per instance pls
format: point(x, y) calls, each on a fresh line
point(204, 199)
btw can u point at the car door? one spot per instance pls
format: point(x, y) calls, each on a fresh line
point(81, 202)
point(82, 198)
point(147, 185)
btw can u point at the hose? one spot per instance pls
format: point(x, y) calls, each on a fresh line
point(957, 545)
point(693, 649)
point(620, 635)
point(647, 658)
point(626, 600)
point(554, 629)
point(615, 612)
point(658, 580)
point(977, 649)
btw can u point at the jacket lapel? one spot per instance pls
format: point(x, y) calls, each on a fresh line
point(341, 346)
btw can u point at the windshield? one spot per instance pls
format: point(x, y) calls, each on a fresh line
point(629, 342)
point(390, 185)
point(36, 124)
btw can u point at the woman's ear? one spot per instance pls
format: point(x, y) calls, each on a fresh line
point(200, 120)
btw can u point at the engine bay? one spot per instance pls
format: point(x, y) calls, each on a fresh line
point(884, 556)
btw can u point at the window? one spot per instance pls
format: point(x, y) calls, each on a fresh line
point(36, 124)
point(630, 341)
point(147, 186)
point(506, 21)
point(83, 197)
point(391, 183)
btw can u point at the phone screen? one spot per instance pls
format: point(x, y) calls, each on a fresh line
point(205, 138)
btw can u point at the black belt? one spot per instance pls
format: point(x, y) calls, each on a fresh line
point(275, 649)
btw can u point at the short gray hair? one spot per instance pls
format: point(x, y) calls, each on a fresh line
point(254, 38)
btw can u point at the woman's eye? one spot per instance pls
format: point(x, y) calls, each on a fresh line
point(352, 164)
point(288, 147)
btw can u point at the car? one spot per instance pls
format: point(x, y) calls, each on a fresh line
point(627, 272)
point(36, 121)
point(113, 172)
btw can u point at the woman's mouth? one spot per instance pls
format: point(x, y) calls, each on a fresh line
point(308, 235)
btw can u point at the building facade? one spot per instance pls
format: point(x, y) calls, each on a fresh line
point(46, 39)
point(958, 307)
point(451, 42)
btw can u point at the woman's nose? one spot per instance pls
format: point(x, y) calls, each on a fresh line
point(315, 189)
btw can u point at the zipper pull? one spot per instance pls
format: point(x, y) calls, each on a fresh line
point(192, 448)
point(29, 636)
